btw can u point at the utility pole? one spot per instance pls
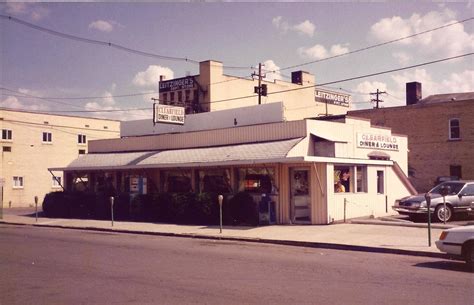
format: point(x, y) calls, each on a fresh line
point(376, 99)
point(261, 89)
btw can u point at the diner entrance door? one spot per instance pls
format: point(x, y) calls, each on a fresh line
point(300, 201)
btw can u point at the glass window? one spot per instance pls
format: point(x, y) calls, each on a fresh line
point(187, 95)
point(6, 134)
point(454, 129)
point(171, 96)
point(81, 139)
point(180, 96)
point(47, 137)
point(468, 190)
point(7, 149)
point(17, 182)
point(380, 182)
point(177, 181)
point(214, 181)
point(165, 97)
point(56, 181)
point(82, 151)
point(361, 181)
point(257, 180)
point(342, 179)
point(456, 171)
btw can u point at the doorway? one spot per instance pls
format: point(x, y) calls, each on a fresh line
point(300, 197)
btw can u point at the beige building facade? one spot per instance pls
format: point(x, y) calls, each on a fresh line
point(300, 165)
point(212, 90)
point(440, 132)
point(32, 142)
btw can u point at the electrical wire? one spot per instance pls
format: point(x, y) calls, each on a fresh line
point(108, 44)
point(376, 45)
point(324, 84)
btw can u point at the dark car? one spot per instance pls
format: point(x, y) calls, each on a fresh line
point(460, 199)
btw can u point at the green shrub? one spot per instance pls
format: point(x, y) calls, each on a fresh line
point(243, 210)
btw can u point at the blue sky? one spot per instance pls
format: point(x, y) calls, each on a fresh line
point(238, 34)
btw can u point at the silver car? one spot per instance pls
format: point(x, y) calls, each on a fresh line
point(460, 199)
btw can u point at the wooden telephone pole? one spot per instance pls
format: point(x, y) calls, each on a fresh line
point(376, 99)
point(261, 89)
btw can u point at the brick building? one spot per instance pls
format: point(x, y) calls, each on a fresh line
point(440, 131)
point(32, 141)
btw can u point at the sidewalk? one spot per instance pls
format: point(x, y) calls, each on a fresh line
point(346, 236)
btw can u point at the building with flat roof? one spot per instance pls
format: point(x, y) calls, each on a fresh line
point(31, 142)
point(212, 90)
point(314, 171)
point(440, 132)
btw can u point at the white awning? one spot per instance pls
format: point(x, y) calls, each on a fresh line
point(263, 152)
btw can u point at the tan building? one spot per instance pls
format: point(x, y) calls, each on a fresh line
point(32, 142)
point(212, 90)
point(314, 171)
point(440, 130)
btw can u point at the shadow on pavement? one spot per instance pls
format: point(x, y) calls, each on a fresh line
point(458, 266)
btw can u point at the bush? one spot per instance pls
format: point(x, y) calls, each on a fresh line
point(243, 210)
point(55, 204)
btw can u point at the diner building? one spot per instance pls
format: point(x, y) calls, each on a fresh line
point(313, 171)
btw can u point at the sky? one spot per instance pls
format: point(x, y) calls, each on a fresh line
point(44, 72)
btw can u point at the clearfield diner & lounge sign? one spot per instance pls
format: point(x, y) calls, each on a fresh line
point(377, 141)
point(168, 114)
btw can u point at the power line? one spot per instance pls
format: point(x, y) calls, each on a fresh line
point(376, 45)
point(325, 84)
point(108, 44)
point(78, 97)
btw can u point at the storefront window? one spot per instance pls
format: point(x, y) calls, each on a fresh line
point(361, 183)
point(177, 181)
point(342, 179)
point(257, 180)
point(214, 181)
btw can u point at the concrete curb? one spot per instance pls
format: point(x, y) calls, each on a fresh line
point(402, 224)
point(294, 243)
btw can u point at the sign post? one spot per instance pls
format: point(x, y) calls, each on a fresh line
point(444, 191)
point(36, 208)
point(111, 198)
point(428, 205)
point(220, 198)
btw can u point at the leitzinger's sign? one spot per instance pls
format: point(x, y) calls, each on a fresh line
point(376, 141)
point(332, 97)
point(168, 114)
point(177, 84)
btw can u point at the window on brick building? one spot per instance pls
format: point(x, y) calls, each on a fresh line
point(456, 171)
point(81, 139)
point(6, 134)
point(47, 137)
point(454, 129)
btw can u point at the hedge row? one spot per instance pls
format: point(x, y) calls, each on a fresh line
point(182, 208)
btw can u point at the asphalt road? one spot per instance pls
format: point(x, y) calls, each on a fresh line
point(60, 266)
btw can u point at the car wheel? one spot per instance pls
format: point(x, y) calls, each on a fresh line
point(441, 214)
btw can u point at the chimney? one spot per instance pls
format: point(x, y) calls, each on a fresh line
point(302, 78)
point(162, 78)
point(413, 93)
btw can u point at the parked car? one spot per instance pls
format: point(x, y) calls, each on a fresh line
point(458, 242)
point(460, 199)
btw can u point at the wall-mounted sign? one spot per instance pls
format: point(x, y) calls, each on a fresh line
point(329, 97)
point(177, 84)
point(377, 141)
point(168, 114)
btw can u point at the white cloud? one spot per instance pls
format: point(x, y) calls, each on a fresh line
point(151, 76)
point(304, 28)
point(102, 25)
point(14, 103)
point(362, 99)
point(269, 65)
point(402, 57)
point(319, 51)
point(450, 41)
point(34, 11)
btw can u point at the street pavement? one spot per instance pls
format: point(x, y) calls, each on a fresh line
point(368, 236)
point(44, 265)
